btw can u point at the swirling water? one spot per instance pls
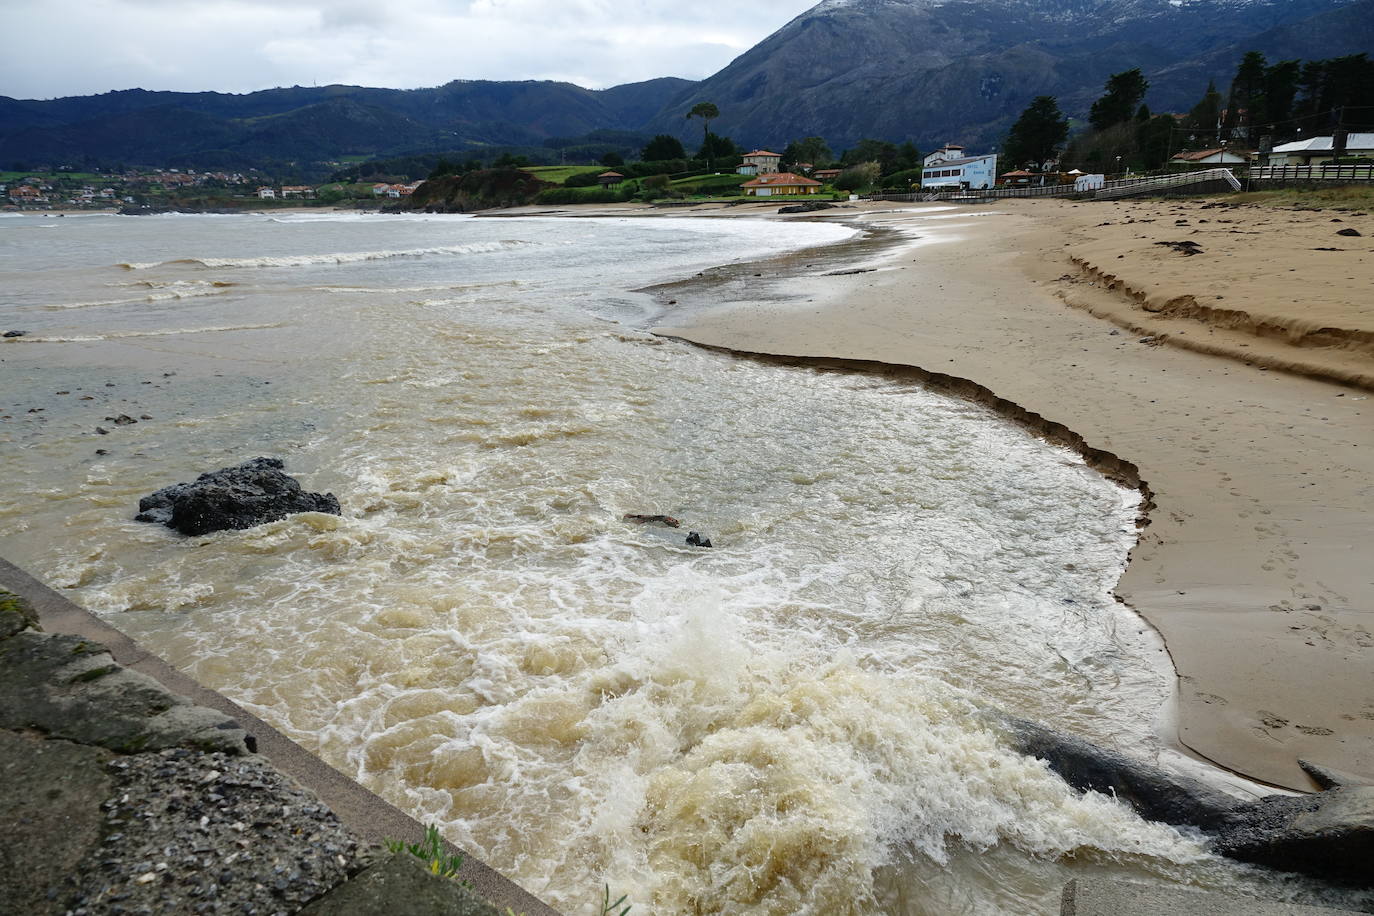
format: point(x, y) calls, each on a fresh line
point(780, 724)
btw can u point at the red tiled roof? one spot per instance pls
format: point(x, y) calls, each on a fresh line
point(763, 152)
point(1196, 155)
point(779, 180)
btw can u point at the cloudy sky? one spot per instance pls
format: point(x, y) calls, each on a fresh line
point(76, 47)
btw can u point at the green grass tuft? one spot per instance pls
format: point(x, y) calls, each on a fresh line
point(608, 907)
point(431, 851)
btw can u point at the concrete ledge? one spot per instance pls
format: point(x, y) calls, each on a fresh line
point(368, 816)
point(1107, 897)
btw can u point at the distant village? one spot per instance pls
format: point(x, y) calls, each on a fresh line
point(764, 173)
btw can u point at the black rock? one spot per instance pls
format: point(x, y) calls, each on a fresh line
point(806, 207)
point(250, 494)
point(1353, 232)
point(696, 540)
point(14, 334)
point(1329, 834)
point(1186, 247)
point(651, 519)
point(1152, 792)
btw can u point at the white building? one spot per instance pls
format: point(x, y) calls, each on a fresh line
point(267, 193)
point(1316, 150)
point(949, 166)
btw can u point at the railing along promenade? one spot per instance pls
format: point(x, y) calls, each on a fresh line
point(1343, 173)
point(1117, 187)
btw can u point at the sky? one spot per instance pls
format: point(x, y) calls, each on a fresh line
point(81, 47)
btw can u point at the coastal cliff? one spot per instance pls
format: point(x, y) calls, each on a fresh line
point(480, 190)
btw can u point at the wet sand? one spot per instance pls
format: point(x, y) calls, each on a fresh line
point(1254, 436)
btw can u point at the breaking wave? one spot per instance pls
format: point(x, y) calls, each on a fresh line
point(167, 292)
point(162, 332)
point(345, 257)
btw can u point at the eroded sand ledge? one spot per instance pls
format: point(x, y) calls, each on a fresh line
point(1256, 567)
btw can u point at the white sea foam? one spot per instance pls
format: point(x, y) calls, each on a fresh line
point(447, 287)
point(778, 725)
point(166, 292)
point(121, 335)
point(347, 257)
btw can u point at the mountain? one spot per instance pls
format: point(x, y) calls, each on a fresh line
point(932, 71)
point(1347, 30)
point(313, 123)
point(929, 71)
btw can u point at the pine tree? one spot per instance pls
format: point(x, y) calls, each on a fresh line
point(1246, 104)
point(1124, 93)
point(1204, 118)
point(1037, 134)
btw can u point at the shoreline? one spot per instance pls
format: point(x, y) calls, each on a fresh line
point(1255, 586)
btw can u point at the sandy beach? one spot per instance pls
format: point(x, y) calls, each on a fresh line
point(1233, 382)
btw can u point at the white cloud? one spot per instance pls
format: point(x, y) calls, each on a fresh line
point(244, 45)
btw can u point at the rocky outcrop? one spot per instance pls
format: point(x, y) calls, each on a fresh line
point(122, 797)
point(1152, 792)
point(1329, 834)
point(480, 190)
point(249, 494)
point(67, 687)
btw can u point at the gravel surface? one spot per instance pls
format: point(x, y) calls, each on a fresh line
point(192, 832)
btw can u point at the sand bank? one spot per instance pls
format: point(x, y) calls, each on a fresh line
point(1256, 565)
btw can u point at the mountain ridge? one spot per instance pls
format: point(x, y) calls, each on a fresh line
point(927, 71)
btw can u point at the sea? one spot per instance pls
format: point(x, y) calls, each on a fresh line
point(786, 722)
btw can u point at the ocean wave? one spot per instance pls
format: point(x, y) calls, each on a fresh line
point(160, 332)
point(346, 257)
point(167, 293)
point(178, 284)
point(443, 288)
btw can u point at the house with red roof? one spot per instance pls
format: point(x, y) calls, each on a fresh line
point(1209, 158)
point(780, 183)
point(760, 162)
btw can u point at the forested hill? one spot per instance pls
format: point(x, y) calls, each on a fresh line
point(221, 130)
point(927, 71)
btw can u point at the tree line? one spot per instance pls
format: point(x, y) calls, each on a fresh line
point(1265, 104)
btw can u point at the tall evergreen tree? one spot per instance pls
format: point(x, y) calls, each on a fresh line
point(1245, 104)
point(811, 149)
point(707, 111)
point(1124, 93)
point(1153, 140)
point(717, 147)
point(1280, 92)
point(1203, 120)
point(663, 146)
point(1037, 134)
